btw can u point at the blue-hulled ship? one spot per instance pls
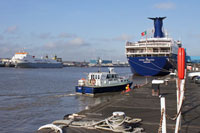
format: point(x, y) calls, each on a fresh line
point(155, 54)
point(102, 82)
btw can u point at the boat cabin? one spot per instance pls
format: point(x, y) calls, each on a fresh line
point(103, 78)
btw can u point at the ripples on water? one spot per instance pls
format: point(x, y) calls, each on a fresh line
point(31, 98)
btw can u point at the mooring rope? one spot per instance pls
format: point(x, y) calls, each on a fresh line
point(162, 70)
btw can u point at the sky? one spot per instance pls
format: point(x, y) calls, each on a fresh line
point(78, 30)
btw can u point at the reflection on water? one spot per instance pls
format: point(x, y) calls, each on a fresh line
point(34, 97)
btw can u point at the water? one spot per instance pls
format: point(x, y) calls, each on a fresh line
point(31, 98)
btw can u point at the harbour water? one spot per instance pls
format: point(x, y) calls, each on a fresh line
point(31, 98)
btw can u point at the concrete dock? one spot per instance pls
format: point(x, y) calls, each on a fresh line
point(139, 103)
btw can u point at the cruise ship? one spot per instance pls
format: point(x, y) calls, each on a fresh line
point(155, 54)
point(25, 60)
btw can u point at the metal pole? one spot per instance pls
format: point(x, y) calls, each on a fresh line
point(177, 93)
point(146, 80)
point(178, 120)
point(163, 110)
point(178, 107)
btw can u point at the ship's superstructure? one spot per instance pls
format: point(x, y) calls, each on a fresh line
point(155, 55)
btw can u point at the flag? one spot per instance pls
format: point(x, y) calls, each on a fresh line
point(144, 33)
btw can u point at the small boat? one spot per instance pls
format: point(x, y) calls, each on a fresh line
point(101, 82)
point(1, 64)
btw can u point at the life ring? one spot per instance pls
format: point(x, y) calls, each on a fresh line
point(93, 81)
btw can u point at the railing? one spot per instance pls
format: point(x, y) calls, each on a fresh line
point(148, 44)
point(149, 52)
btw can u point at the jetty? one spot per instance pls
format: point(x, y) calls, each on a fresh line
point(139, 103)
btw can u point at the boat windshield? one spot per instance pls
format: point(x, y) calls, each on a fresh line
point(110, 76)
point(95, 76)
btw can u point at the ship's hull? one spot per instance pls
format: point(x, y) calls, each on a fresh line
point(152, 66)
point(91, 90)
point(39, 65)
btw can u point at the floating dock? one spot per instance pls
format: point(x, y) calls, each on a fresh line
point(139, 103)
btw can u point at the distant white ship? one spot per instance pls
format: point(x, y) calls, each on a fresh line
point(24, 60)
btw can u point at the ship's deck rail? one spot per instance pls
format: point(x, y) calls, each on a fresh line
point(131, 52)
point(152, 53)
point(148, 44)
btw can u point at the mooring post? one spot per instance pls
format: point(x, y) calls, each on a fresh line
point(180, 86)
point(178, 120)
point(163, 114)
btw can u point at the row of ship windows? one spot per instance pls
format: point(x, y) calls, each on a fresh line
point(107, 77)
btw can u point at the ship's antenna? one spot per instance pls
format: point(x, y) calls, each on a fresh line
point(99, 63)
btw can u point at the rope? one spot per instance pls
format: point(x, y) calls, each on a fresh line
point(175, 117)
point(56, 128)
point(163, 70)
point(113, 121)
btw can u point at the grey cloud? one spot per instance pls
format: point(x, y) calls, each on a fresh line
point(66, 35)
point(48, 35)
point(76, 42)
point(165, 6)
point(121, 38)
point(8, 49)
point(45, 36)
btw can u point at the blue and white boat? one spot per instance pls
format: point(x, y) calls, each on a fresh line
point(101, 82)
point(153, 55)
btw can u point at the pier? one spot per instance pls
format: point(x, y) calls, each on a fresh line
point(139, 103)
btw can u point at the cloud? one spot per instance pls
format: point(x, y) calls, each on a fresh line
point(77, 41)
point(51, 45)
point(66, 44)
point(45, 36)
point(8, 49)
point(66, 35)
point(48, 35)
point(123, 37)
point(165, 6)
point(11, 29)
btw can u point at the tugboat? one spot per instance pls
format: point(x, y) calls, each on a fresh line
point(101, 82)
